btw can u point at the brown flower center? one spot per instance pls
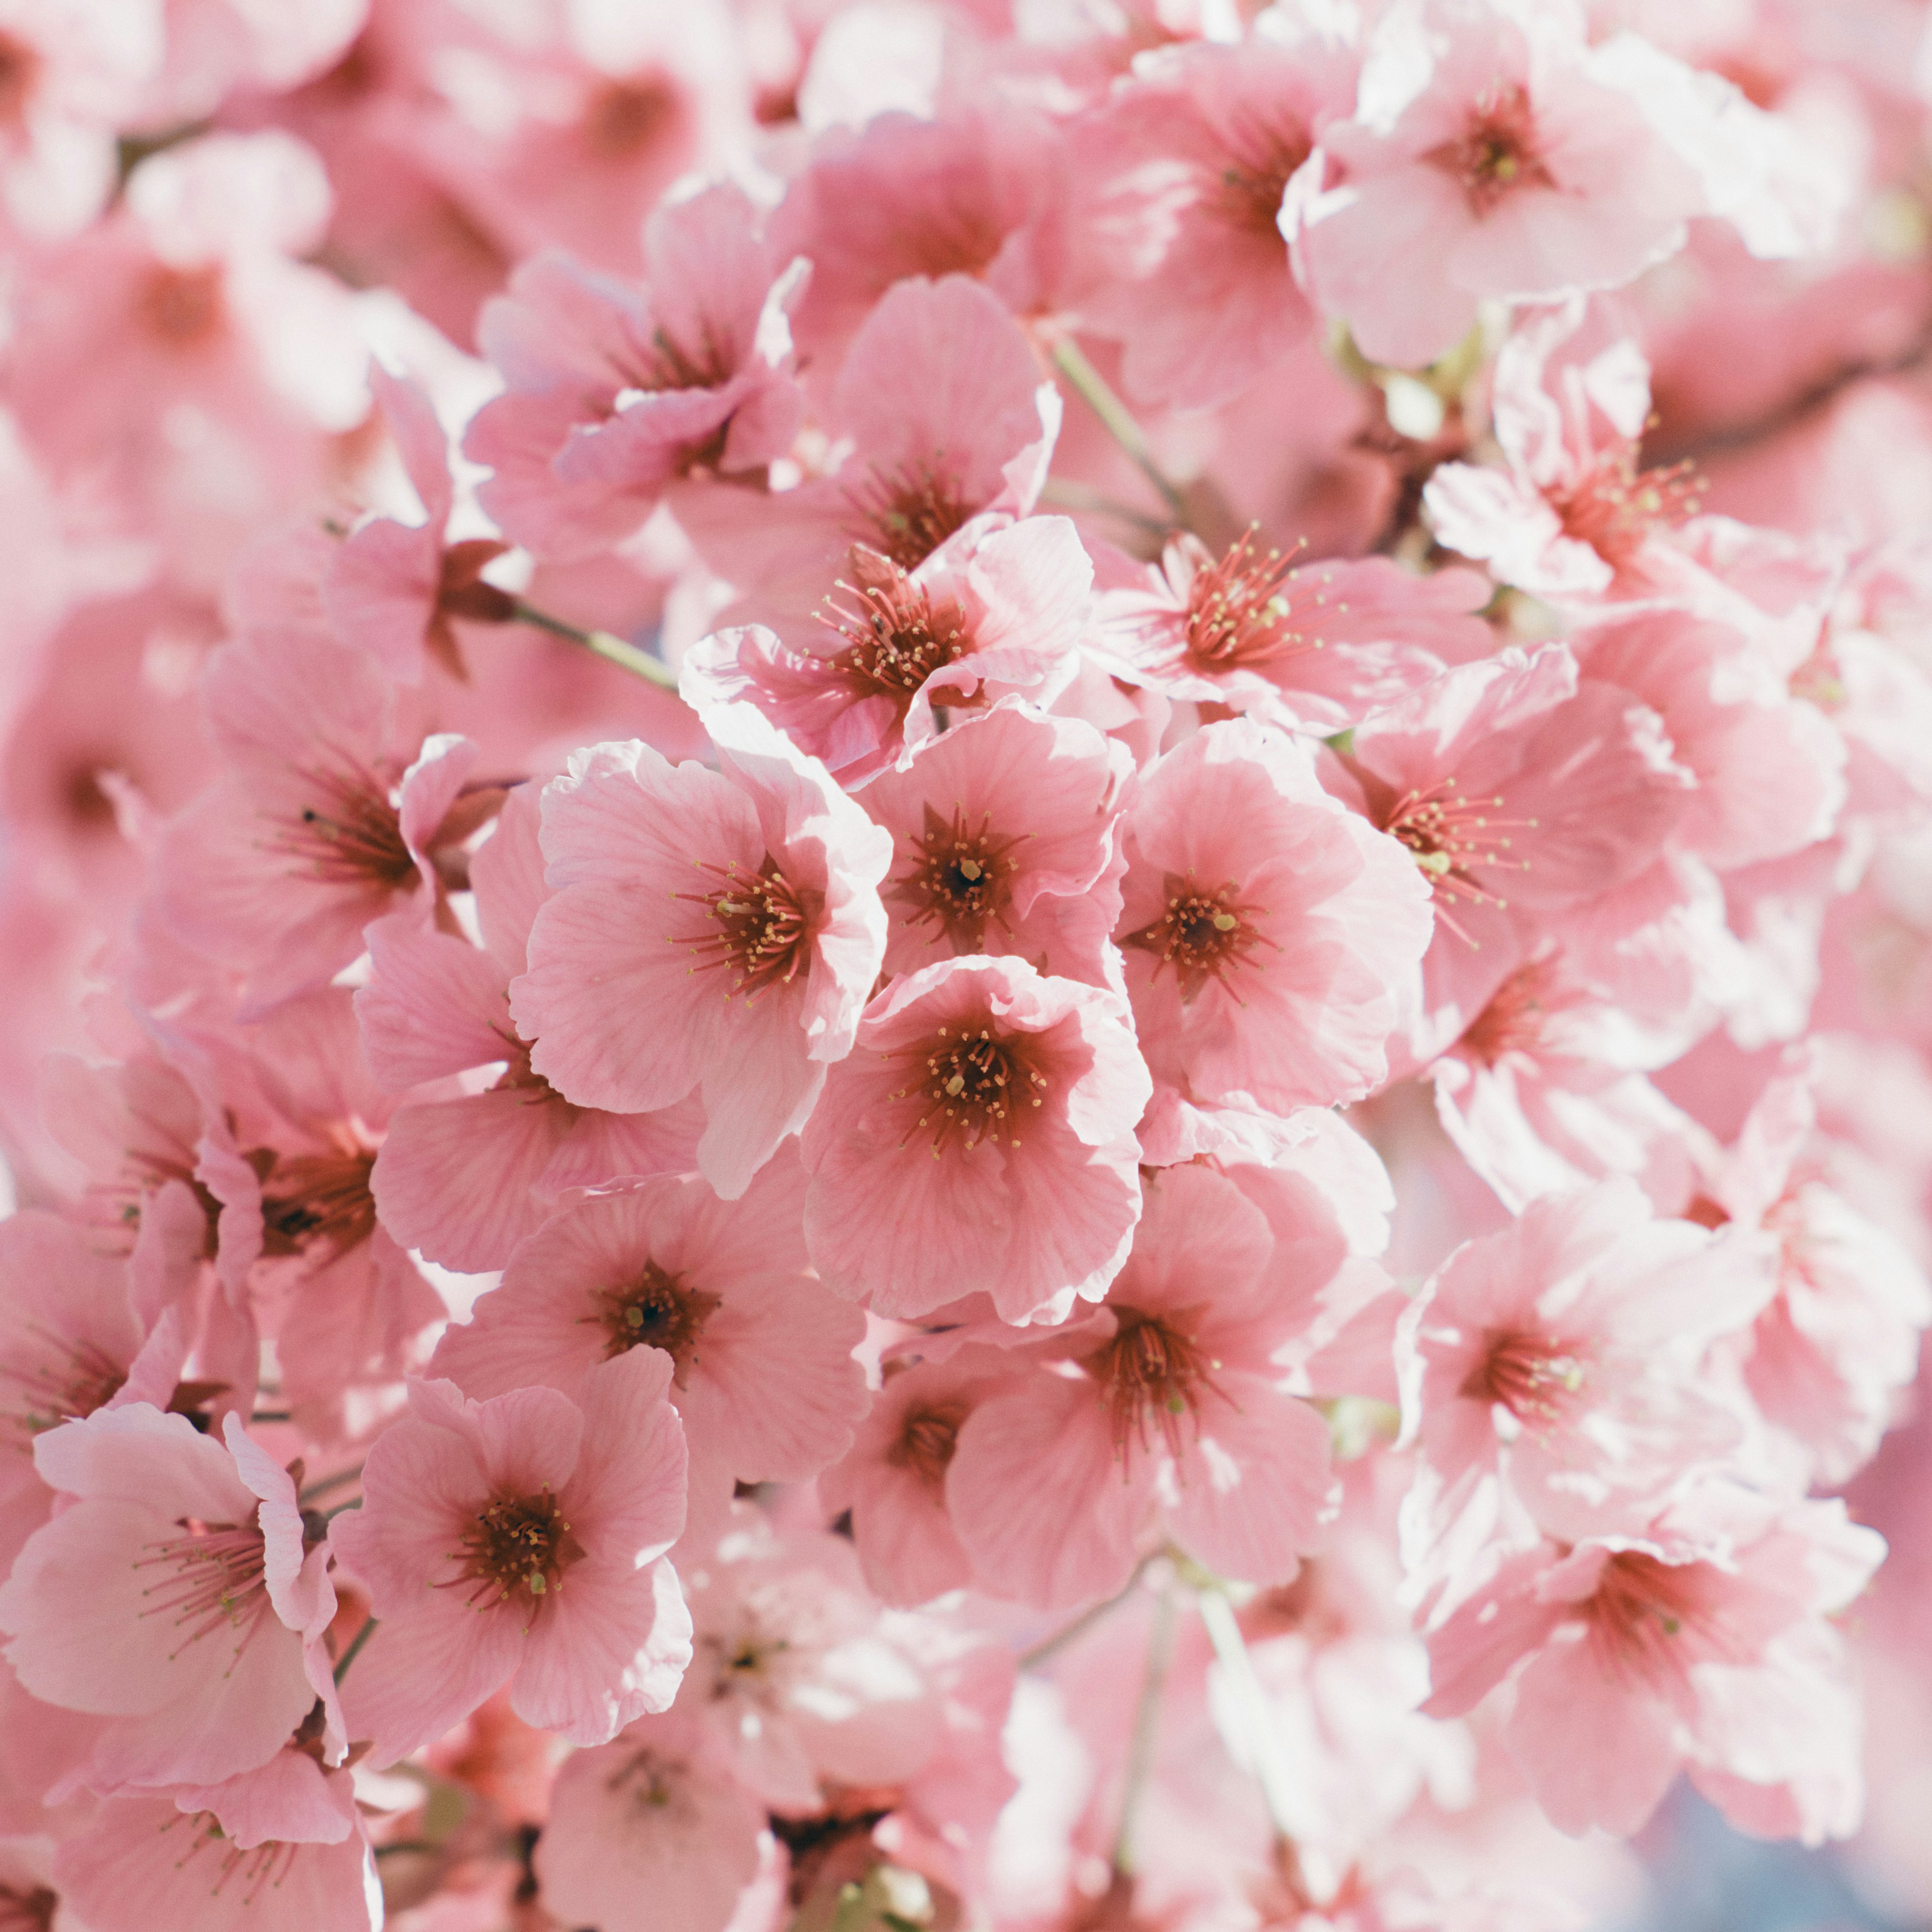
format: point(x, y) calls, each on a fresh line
point(1498, 151)
point(349, 833)
point(906, 516)
point(182, 307)
point(895, 636)
point(517, 1546)
point(654, 1311)
point(1202, 933)
point(19, 73)
point(1537, 1377)
point(1151, 1373)
point(973, 1088)
point(26, 1911)
point(622, 118)
point(928, 1436)
point(761, 929)
point(316, 1200)
point(959, 880)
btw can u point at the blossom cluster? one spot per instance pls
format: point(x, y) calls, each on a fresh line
point(969, 961)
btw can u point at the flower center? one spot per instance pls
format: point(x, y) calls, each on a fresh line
point(959, 880)
point(26, 1911)
point(349, 834)
point(1513, 1021)
point(320, 1201)
point(624, 117)
point(928, 1436)
point(1251, 187)
point(973, 1087)
point(1496, 152)
point(181, 306)
point(19, 70)
point(517, 1546)
point(1447, 834)
point(895, 637)
point(1241, 611)
point(1613, 506)
point(760, 930)
point(211, 1577)
point(71, 1377)
point(262, 1868)
point(1537, 1377)
point(906, 516)
point(1201, 934)
point(1641, 1610)
point(655, 1311)
point(1151, 1372)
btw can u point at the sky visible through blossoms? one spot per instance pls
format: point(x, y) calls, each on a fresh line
point(965, 965)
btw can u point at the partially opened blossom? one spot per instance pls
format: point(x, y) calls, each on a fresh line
point(1697, 1642)
point(320, 823)
point(718, 931)
point(998, 608)
point(464, 1177)
point(1002, 842)
point(762, 1372)
point(1175, 1416)
point(179, 1595)
point(1296, 644)
point(1267, 934)
point(980, 1138)
point(521, 1539)
point(1556, 1371)
point(616, 389)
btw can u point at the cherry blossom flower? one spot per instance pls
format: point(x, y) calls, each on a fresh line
point(979, 1138)
point(538, 1523)
point(766, 972)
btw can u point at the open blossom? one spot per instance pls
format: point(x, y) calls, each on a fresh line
point(616, 390)
point(463, 1178)
point(179, 1595)
point(999, 608)
point(1175, 1415)
point(1266, 933)
point(1697, 1642)
point(1557, 1369)
point(762, 1372)
point(718, 931)
point(980, 1138)
point(520, 1540)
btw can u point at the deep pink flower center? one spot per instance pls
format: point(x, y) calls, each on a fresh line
point(654, 1311)
point(1241, 611)
point(761, 926)
point(1497, 152)
point(181, 307)
point(1203, 933)
point(26, 1911)
point(895, 636)
point(1252, 184)
point(208, 1578)
point(1613, 506)
point(974, 1086)
point(349, 833)
point(1513, 1021)
point(1642, 1613)
point(960, 878)
point(516, 1546)
point(623, 117)
point(19, 73)
point(906, 516)
point(927, 1438)
point(1538, 1378)
point(1151, 1374)
point(316, 1200)
point(70, 1378)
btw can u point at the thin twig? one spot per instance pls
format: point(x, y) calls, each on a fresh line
point(1115, 418)
point(1147, 1727)
point(1063, 492)
point(612, 649)
point(354, 1649)
point(1050, 1646)
point(323, 1485)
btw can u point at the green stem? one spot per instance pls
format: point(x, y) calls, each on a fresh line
point(612, 649)
point(354, 1649)
point(342, 1509)
point(1115, 418)
point(1147, 1728)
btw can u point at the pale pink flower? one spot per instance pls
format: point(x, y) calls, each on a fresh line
point(179, 1595)
point(394, 589)
point(1002, 842)
point(463, 1178)
point(1698, 1643)
point(1503, 157)
point(616, 389)
point(1000, 607)
point(145, 1865)
point(1176, 185)
point(1559, 1368)
point(1313, 645)
point(1829, 1359)
point(1267, 934)
point(716, 930)
point(650, 1829)
point(1174, 1417)
point(979, 1138)
point(521, 1539)
point(762, 1371)
point(319, 825)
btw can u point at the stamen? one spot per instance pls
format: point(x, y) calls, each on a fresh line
point(1202, 935)
point(974, 1085)
point(1537, 1377)
point(1497, 153)
point(906, 516)
point(1514, 1019)
point(764, 927)
point(1613, 506)
point(212, 1578)
point(959, 886)
point(72, 1378)
point(1448, 834)
point(928, 1437)
point(350, 834)
point(895, 637)
point(518, 1547)
point(1152, 1371)
point(654, 1311)
point(1242, 611)
point(1641, 1612)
